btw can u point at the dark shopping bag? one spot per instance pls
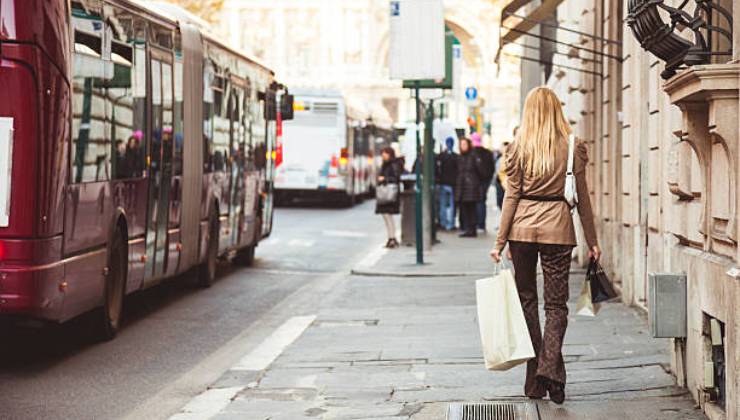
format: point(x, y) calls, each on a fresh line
point(601, 288)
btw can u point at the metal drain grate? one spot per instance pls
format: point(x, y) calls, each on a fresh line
point(492, 411)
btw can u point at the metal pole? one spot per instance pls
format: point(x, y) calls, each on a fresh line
point(429, 164)
point(418, 204)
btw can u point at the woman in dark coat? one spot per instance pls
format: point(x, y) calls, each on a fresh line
point(467, 191)
point(390, 173)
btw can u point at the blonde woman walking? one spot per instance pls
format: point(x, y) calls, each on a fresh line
point(536, 222)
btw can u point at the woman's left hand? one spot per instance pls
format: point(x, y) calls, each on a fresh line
point(496, 255)
point(594, 253)
point(381, 178)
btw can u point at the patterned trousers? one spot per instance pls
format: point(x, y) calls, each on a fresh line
point(555, 260)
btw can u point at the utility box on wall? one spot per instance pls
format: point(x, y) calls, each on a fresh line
point(667, 305)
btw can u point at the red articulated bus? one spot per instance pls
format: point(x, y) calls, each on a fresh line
point(133, 147)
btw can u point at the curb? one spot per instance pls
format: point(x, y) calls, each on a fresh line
point(363, 273)
point(407, 275)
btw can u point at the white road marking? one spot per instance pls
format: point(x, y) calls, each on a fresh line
point(207, 404)
point(302, 243)
point(344, 234)
point(372, 258)
point(270, 242)
point(269, 350)
point(214, 400)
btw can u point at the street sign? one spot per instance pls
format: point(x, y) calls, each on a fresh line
point(417, 40)
point(471, 93)
point(447, 82)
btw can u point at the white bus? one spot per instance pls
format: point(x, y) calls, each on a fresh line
point(326, 151)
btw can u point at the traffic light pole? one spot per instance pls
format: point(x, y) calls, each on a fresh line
point(418, 203)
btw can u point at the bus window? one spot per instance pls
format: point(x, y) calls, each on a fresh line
point(209, 75)
point(90, 139)
point(248, 122)
point(179, 108)
point(259, 132)
point(160, 36)
point(221, 136)
point(236, 128)
point(126, 95)
point(156, 81)
point(168, 134)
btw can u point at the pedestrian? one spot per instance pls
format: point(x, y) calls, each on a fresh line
point(121, 171)
point(487, 168)
point(468, 188)
point(390, 174)
point(447, 164)
point(134, 156)
point(536, 221)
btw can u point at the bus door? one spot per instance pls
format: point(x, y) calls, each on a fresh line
point(160, 162)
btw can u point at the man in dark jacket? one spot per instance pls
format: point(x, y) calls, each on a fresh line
point(447, 178)
point(468, 188)
point(487, 168)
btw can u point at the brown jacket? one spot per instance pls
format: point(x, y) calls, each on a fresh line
point(545, 222)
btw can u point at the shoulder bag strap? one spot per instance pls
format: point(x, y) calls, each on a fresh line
point(571, 153)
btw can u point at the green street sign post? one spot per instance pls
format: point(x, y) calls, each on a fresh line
point(420, 55)
point(426, 188)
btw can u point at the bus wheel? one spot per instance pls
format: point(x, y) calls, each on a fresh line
point(245, 256)
point(115, 288)
point(207, 270)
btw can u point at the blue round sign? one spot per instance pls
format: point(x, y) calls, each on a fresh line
point(471, 93)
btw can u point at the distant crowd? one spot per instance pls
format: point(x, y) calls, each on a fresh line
point(463, 182)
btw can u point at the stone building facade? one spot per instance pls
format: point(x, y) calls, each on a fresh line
point(664, 171)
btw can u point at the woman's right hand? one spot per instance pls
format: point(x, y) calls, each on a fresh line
point(496, 255)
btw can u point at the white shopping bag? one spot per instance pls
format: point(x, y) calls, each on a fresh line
point(503, 329)
point(585, 305)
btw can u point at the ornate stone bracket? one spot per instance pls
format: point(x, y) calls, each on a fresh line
point(709, 101)
point(666, 40)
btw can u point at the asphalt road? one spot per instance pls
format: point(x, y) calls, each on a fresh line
point(177, 339)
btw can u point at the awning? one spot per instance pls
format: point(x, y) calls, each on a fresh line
point(515, 24)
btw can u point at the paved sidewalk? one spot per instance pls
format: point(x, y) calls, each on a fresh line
point(451, 257)
point(404, 348)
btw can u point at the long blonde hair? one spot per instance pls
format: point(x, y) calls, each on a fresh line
point(543, 128)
